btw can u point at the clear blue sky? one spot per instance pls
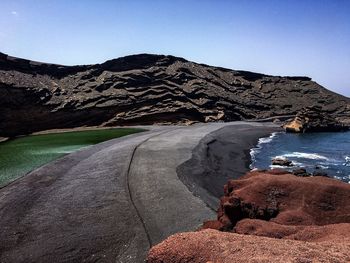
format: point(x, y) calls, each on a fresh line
point(278, 37)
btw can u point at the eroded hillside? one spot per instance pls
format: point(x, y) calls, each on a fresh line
point(146, 89)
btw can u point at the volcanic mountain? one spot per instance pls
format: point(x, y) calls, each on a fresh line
point(147, 89)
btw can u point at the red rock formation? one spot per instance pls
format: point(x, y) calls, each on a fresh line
point(219, 247)
point(283, 198)
point(333, 232)
point(276, 216)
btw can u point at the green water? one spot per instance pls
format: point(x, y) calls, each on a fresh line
point(22, 155)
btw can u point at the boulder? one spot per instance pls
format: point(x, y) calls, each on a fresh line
point(320, 173)
point(314, 119)
point(301, 172)
point(281, 162)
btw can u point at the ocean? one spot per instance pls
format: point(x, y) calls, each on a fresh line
point(328, 152)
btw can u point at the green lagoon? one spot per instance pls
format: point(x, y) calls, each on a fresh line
point(22, 155)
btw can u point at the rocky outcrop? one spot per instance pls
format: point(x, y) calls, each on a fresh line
point(314, 119)
point(266, 212)
point(146, 89)
point(283, 198)
point(303, 173)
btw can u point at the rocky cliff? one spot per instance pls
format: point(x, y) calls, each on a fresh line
point(146, 89)
point(313, 119)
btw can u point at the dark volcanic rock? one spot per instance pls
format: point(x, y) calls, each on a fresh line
point(146, 89)
point(320, 173)
point(282, 162)
point(314, 119)
point(301, 172)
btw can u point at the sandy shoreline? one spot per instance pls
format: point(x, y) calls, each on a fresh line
point(129, 179)
point(219, 157)
point(89, 128)
point(52, 131)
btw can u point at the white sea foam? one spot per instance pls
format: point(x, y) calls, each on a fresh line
point(267, 139)
point(313, 156)
point(298, 164)
point(257, 149)
point(279, 157)
point(278, 166)
point(347, 161)
point(338, 177)
point(254, 151)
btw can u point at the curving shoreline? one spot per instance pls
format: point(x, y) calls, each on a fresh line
point(264, 211)
point(116, 200)
point(221, 155)
point(83, 200)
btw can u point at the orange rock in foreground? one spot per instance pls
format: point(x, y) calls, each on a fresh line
point(283, 198)
point(313, 233)
point(275, 216)
point(220, 247)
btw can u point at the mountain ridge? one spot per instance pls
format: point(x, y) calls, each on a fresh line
point(147, 89)
point(119, 59)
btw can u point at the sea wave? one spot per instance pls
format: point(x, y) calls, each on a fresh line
point(267, 139)
point(254, 151)
point(329, 154)
point(302, 155)
point(324, 167)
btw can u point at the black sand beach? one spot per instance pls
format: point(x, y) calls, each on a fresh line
point(113, 201)
point(220, 156)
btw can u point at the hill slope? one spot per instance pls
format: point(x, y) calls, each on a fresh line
point(144, 89)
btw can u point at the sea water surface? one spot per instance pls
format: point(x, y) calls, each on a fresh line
point(328, 152)
point(24, 154)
